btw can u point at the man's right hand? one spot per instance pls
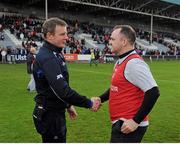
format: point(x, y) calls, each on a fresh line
point(96, 104)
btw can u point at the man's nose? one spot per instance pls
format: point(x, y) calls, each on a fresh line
point(66, 37)
point(110, 42)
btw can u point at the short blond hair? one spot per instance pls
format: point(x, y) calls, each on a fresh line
point(50, 24)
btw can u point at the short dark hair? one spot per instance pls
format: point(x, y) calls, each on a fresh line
point(128, 32)
point(50, 24)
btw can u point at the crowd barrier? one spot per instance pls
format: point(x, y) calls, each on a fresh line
point(19, 58)
point(113, 58)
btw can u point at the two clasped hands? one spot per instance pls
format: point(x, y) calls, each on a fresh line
point(96, 104)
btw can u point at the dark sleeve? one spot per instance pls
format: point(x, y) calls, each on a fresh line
point(105, 96)
point(60, 87)
point(150, 99)
point(30, 59)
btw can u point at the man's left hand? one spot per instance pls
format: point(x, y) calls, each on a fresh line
point(72, 113)
point(129, 126)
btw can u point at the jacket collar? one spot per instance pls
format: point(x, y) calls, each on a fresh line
point(52, 47)
point(125, 54)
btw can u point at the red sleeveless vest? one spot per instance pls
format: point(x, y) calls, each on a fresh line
point(125, 98)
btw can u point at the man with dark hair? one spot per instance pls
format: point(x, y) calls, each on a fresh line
point(133, 91)
point(54, 94)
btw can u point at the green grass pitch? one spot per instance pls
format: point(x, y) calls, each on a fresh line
point(16, 104)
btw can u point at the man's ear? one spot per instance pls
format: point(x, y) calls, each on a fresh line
point(49, 36)
point(124, 42)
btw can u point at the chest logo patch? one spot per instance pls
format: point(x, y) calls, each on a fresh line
point(59, 76)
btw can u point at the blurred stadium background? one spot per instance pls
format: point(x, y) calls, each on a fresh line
point(90, 22)
point(157, 23)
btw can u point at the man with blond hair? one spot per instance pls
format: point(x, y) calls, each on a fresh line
point(54, 94)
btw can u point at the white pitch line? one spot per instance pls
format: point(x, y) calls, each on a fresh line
point(85, 71)
point(90, 72)
point(169, 81)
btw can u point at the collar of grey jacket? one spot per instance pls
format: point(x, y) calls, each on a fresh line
point(52, 47)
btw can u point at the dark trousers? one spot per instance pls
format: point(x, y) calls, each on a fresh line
point(134, 137)
point(52, 126)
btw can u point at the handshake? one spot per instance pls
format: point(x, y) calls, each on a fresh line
point(96, 104)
